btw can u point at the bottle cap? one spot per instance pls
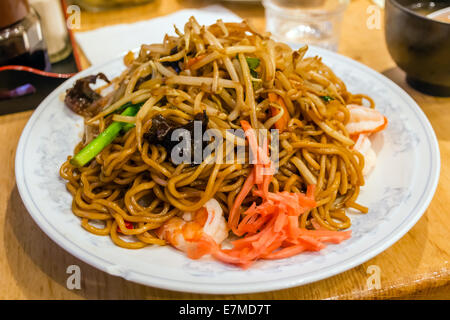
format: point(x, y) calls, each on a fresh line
point(12, 11)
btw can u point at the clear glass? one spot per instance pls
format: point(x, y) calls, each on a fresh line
point(315, 22)
point(99, 5)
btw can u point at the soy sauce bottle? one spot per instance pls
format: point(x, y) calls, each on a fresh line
point(21, 39)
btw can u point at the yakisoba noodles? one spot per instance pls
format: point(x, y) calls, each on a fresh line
point(231, 77)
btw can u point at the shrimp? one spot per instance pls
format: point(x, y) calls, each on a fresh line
point(364, 146)
point(362, 123)
point(195, 232)
point(364, 120)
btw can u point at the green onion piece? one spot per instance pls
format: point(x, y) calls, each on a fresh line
point(327, 98)
point(253, 63)
point(123, 107)
point(256, 84)
point(103, 139)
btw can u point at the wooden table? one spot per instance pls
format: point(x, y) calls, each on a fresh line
point(33, 267)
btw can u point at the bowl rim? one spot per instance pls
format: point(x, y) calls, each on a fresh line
point(403, 8)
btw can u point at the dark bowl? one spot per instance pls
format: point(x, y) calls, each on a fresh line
point(419, 46)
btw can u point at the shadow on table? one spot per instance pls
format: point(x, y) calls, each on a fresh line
point(39, 265)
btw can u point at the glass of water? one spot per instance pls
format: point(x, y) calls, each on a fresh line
point(315, 22)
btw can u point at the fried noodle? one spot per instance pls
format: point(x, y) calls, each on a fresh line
point(134, 182)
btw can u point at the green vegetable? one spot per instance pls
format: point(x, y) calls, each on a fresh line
point(126, 105)
point(105, 138)
point(256, 84)
point(253, 63)
point(327, 98)
point(254, 73)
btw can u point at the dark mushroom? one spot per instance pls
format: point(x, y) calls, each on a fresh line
point(81, 99)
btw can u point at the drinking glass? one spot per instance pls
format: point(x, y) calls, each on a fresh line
point(315, 22)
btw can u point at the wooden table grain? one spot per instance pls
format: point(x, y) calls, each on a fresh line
point(416, 267)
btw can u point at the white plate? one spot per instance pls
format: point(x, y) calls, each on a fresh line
point(397, 192)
